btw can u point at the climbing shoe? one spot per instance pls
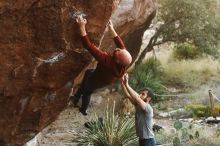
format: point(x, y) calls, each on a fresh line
point(83, 112)
point(73, 101)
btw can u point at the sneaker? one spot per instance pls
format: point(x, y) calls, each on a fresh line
point(83, 112)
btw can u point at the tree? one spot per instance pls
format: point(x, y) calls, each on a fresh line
point(190, 21)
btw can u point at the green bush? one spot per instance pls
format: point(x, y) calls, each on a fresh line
point(148, 75)
point(186, 51)
point(216, 111)
point(198, 110)
point(115, 131)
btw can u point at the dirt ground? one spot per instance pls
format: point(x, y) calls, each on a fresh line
point(59, 132)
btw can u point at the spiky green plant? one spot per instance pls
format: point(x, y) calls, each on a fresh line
point(148, 75)
point(115, 131)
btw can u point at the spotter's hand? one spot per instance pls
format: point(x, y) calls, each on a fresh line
point(125, 78)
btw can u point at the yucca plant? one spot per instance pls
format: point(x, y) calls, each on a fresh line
point(114, 131)
point(148, 75)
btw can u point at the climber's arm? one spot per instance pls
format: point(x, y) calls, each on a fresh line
point(118, 42)
point(98, 54)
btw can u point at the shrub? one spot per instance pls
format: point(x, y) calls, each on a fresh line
point(148, 75)
point(216, 111)
point(115, 131)
point(198, 110)
point(186, 51)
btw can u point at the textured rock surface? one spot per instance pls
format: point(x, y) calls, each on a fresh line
point(41, 53)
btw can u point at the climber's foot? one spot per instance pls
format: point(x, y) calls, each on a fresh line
point(83, 112)
point(73, 101)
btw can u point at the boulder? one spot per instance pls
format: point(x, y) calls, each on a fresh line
point(41, 54)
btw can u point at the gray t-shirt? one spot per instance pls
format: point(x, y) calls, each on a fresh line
point(144, 122)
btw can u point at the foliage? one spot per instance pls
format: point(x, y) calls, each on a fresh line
point(178, 125)
point(191, 73)
point(216, 110)
point(176, 141)
point(198, 110)
point(186, 51)
point(115, 131)
point(148, 75)
point(190, 21)
point(186, 21)
point(187, 134)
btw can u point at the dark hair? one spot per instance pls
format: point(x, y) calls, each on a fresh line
point(149, 94)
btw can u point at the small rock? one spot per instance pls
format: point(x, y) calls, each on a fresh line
point(113, 90)
point(164, 115)
point(97, 100)
point(172, 130)
point(190, 120)
point(105, 92)
point(210, 119)
point(199, 121)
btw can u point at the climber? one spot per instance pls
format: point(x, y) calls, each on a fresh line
point(143, 112)
point(109, 68)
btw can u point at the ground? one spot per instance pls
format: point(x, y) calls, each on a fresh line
point(58, 133)
point(70, 120)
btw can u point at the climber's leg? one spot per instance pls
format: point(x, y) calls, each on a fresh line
point(90, 88)
point(85, 103)
point(75, 98)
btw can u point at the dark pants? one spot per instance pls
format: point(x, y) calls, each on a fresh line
point(87, 87)
point(147, 142)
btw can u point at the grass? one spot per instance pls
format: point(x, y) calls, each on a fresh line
point(191, 73)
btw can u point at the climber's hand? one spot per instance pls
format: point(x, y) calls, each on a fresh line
point(110, 25)
point(111, 28)
point(81, 21)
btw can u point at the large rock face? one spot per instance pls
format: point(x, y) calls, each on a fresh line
point(41, 53)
